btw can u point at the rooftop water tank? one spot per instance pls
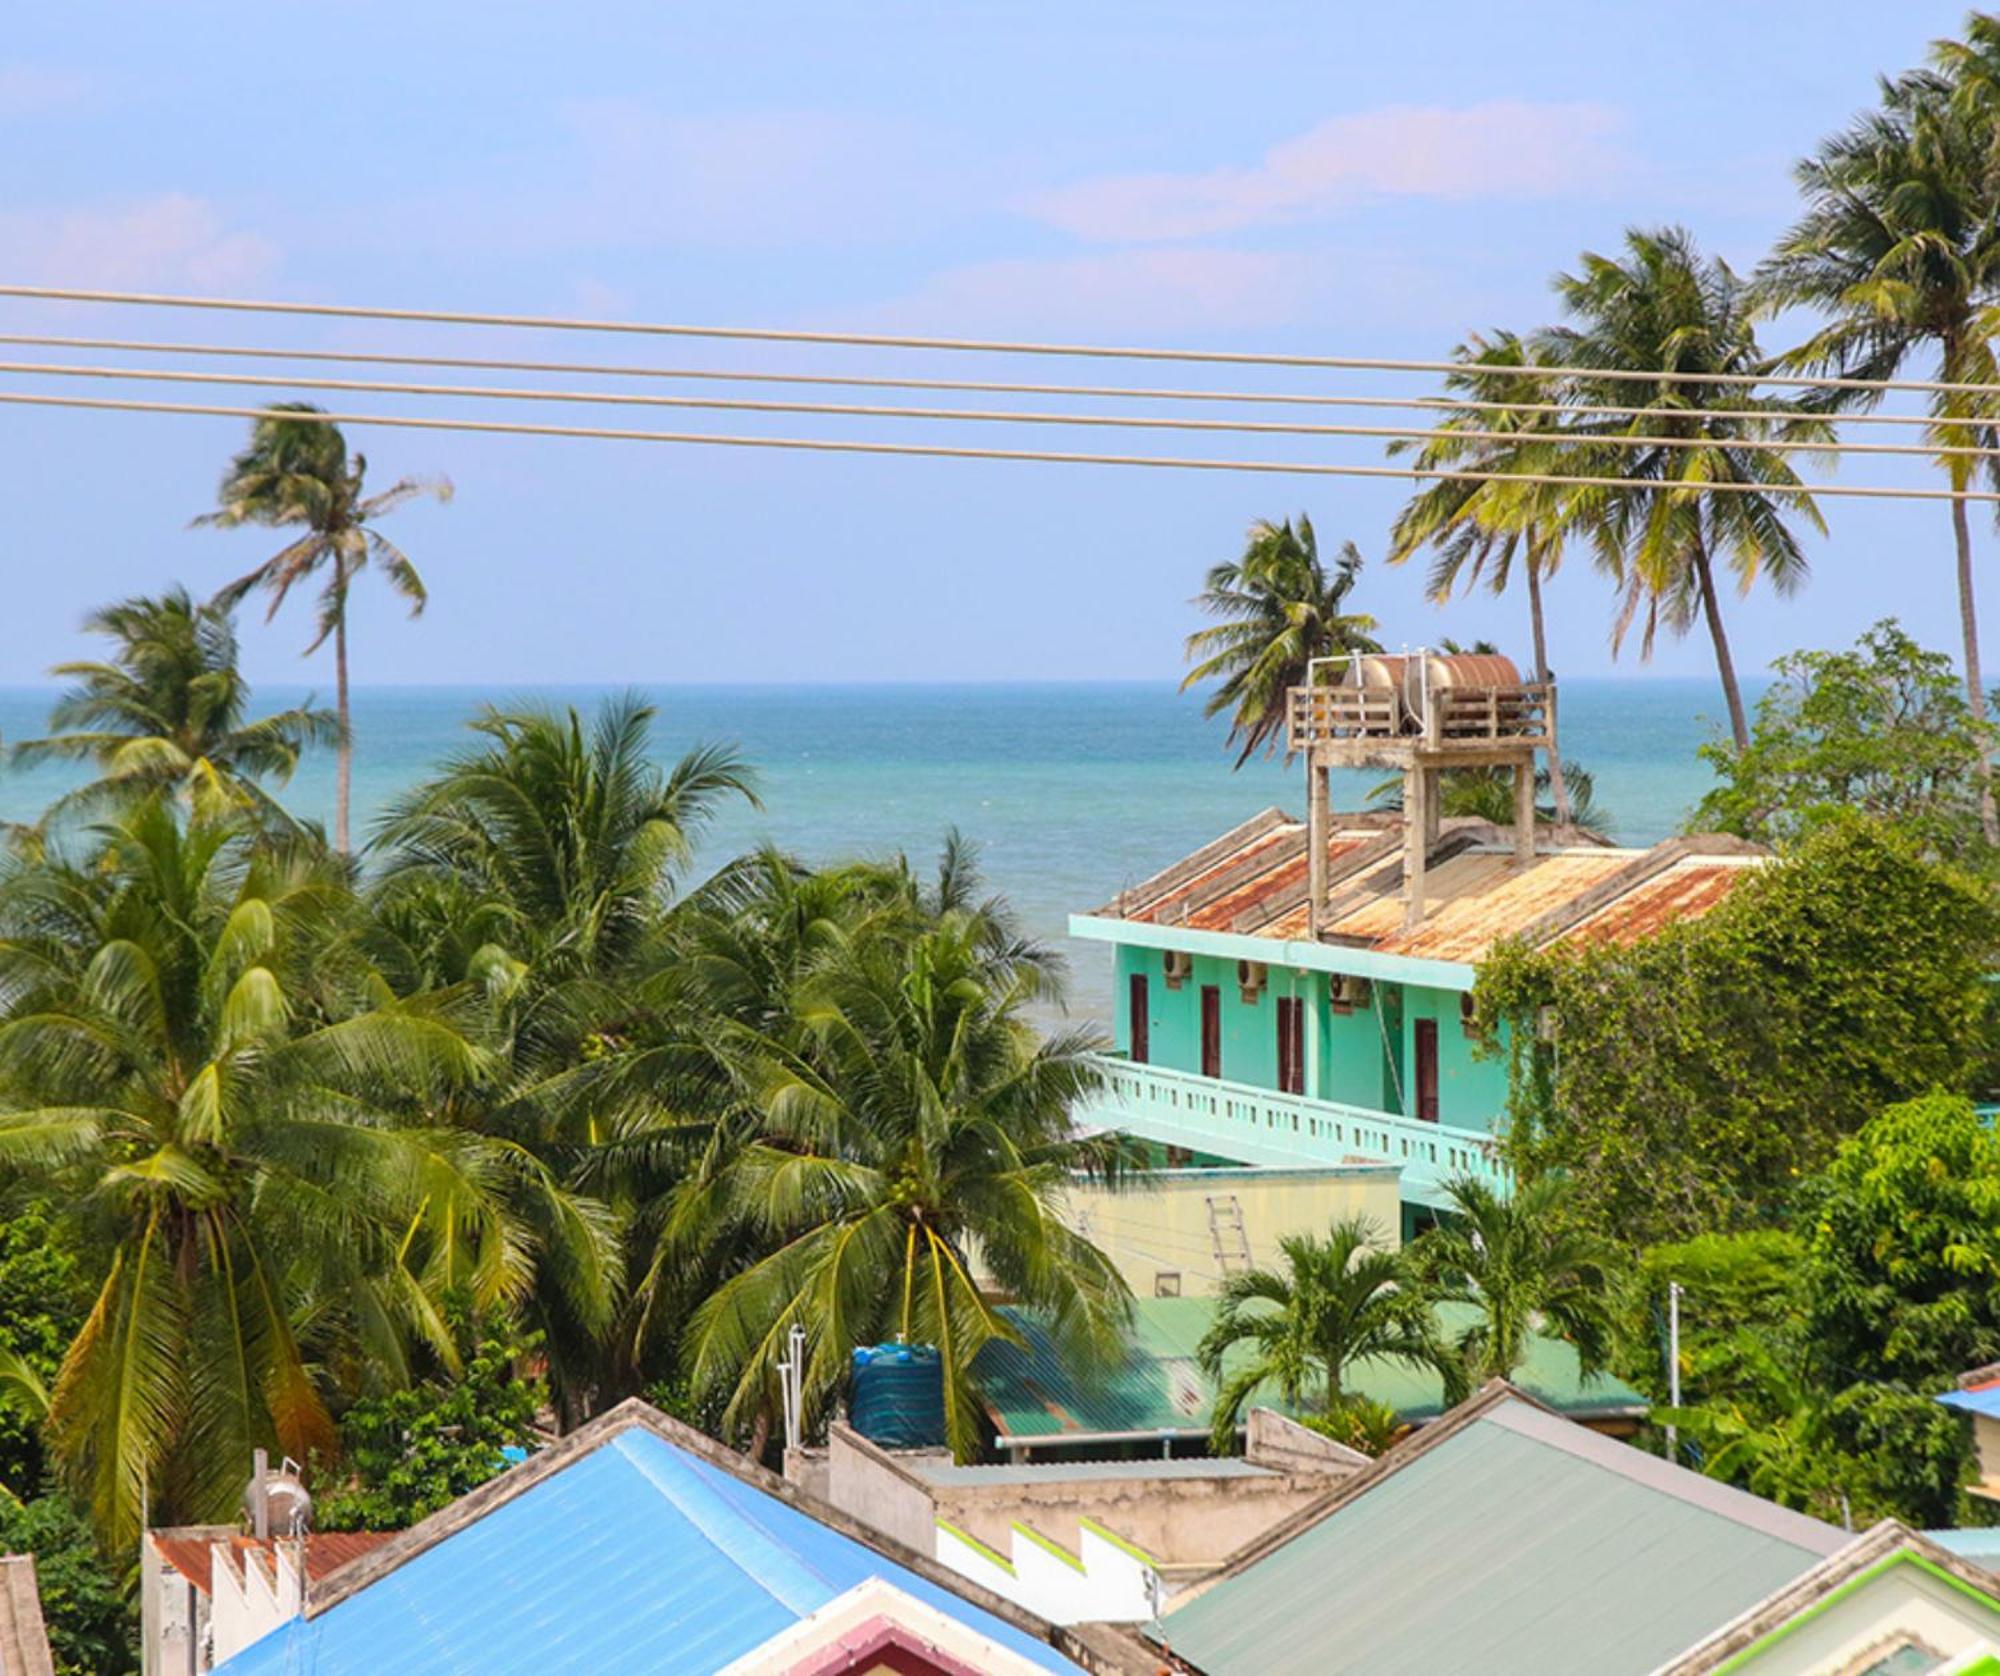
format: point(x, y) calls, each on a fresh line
point(898, 1396)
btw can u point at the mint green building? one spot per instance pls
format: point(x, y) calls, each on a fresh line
point(1299, 992)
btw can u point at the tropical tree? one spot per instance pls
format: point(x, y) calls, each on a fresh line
point(1521, 1265)
point(1899, 246)
point(237, 1116)
point(1714, 491)
point(895, 1126)
point(296, 473)
point(165, 712)
point(1488, 529)
point(1282, 608)
point(1337, 1301)
point(1487, 794)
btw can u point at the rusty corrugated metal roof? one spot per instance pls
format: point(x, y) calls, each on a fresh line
point(326, 1551)
point(1253, 881)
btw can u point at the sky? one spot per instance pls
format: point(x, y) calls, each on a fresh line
point(1317, 178)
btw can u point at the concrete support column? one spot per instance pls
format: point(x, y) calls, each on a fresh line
point(1417, 791)
point(1524, 809)
point(1317, 821)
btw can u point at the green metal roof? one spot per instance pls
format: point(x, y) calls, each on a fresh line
point(1037, 1394)
point(1519, 1545)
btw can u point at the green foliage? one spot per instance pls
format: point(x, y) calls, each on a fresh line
point(1523, 1266)
point(1337, 1301)
point(408, 1453)
point(1361, 1423)
point(1903, 1255)
point(42, 1305)
point(1280, 608)
point(1697, 1077)
point(1883, 729)
point(93, 1624)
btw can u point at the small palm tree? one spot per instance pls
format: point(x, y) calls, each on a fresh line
point(896, 1120)
point(1487, 794)
point(1520, 1265)
point(1491, 530)
point(238, 1118)
point(1282, 609)
point(1663, 308)
point(165, 712)
point(1337, 1301)
point(297, 473)
point(1899, 246)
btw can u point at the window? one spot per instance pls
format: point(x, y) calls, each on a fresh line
point(1427, 1070)
point(1211, 1030)
point(1166, 1283)
point(1291, 1045)
point(1141, 1019)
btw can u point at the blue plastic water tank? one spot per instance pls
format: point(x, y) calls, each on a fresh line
point(898, 1396)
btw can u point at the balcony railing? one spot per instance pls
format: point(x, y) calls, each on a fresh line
point(1443, 719)
point(1261, 1126)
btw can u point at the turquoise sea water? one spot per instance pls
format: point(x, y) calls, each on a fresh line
point(1072, 790)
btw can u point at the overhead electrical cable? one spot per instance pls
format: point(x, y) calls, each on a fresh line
point(862, 381)
point(1121, 421)
point(983, 346)
point(842, 445)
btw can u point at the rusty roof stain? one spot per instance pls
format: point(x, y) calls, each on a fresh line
point(326, 1551)
point(1253, 881)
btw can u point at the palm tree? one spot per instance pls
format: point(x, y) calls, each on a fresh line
point(238, 1117)
point(1899, 246)
point(297, 473)
point(1666, 309)
point(1522, 1268)
point(1339, 1300)
point(1282, 609)
point(896, 1121)
point(165, 712)
point(1487, 794)
point(1479, 530)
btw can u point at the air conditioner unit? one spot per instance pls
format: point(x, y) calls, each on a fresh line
point(1346, 990)
point(1178, 965)
point(1250, 976)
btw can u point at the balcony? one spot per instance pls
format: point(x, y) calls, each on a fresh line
point(1442, 721)
point(1260, 1126)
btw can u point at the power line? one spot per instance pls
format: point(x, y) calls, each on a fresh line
point(861, 381)
point(984, 346)
point(1121, 421)
point(835, 445)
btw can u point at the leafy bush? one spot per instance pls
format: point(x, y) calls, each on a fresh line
point(93, 1627)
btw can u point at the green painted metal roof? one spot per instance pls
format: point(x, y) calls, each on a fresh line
point(1038, 1394)
point(1520, 1545)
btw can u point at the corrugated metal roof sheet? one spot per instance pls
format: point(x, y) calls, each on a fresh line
point(637, 1556)
point(1040, 1393)
point(1253, 882)
point(326, 1551)
point(1981, 1399)
point(1521, 1545)
point(947, 1474)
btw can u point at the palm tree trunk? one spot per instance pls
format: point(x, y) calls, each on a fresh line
point(1975, 689)
point(1557, 788)
point(1725, 665)
point(343, 761)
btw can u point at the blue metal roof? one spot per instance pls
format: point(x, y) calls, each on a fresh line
point(638, 1556)
point(1982, 1399)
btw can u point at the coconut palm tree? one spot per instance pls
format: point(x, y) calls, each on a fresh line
point(1337, 1301)
point(296, 473)
point(1899, 247)
point(1487, 794)
point(897, 1126)
point(1521, 1267)
point(165, 712)
point(1487, 530)
point(1281, 609)
point(192, 1061)
point(1664, 308)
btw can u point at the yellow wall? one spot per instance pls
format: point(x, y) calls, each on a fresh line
point(1164, 1228)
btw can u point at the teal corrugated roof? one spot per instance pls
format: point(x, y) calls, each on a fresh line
point(1157, 1386)
point(638, 1557)
point(1520, 1545)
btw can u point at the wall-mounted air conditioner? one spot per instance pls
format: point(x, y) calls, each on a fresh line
point(1250, 978)
point(1178, 965)
point(1345, 990)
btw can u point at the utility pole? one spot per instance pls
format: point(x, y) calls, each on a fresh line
point(1673, 1366)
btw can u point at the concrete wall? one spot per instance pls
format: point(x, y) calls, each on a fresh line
point(872, 1485)
point(1360, 1057)
point(1162, 1228)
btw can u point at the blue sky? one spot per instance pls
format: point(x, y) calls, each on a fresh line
point(1327, 178)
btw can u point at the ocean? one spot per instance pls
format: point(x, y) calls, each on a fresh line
point(1072, 791)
